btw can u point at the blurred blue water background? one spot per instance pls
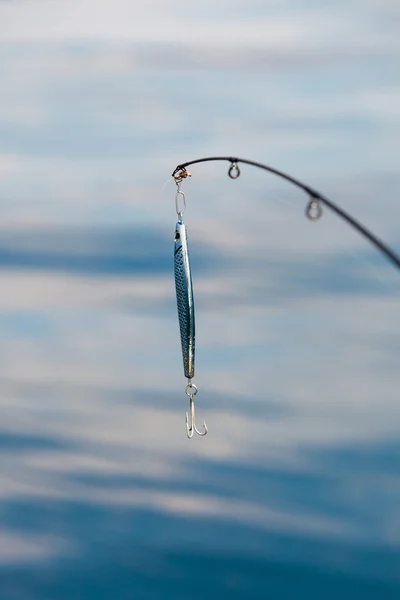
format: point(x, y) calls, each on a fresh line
point(295, 492)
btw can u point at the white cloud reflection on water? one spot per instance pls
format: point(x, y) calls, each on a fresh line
point(296, 345)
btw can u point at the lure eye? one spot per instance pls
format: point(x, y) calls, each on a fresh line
point(177, 236)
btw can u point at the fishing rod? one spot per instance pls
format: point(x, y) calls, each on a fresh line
point(313, 210)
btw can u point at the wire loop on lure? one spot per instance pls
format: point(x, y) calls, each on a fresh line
point(234, 171)
point(313, 209)
point(191, 386)
point(191, 390)
point(180, 197)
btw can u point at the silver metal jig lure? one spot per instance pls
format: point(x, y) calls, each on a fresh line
point(185, 303)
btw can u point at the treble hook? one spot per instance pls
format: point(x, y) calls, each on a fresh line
point(190, 429)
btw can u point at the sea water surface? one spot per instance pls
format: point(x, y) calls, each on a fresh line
point(295, 491)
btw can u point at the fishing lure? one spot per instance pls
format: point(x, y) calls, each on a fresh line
point(185, 304)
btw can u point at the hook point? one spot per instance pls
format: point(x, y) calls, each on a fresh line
point(190, 429)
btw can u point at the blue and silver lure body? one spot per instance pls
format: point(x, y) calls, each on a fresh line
point(184, 299)
point(185, 303)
